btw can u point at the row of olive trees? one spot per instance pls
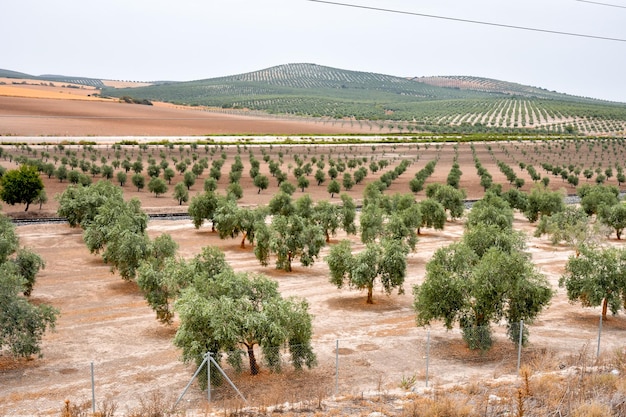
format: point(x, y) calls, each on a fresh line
point(22, 324)
point(236, 310)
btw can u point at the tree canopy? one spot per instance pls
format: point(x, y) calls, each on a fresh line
point(22, 324)
point(385, 261)
point(20, 186)
point(234, 312)
point(484, 278)
point(597, 277)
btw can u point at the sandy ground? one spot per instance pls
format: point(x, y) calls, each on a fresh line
point(105, 320)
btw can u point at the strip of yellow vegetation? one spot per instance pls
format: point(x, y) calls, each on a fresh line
point(25, 91)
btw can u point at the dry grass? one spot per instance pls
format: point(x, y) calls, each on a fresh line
point(582, 390)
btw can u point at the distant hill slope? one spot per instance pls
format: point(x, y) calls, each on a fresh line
point(434, 104)
point(94, 82)
point(489, 85)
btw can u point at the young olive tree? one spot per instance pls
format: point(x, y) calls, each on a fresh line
point(597, 277)
point(384, 261)
point(20, 186)
point(234, 312)
point(485, 278)
point(233, 220)
point(22, 324)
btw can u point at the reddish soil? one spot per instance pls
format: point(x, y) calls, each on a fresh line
point(105, 320)
point(23, 116)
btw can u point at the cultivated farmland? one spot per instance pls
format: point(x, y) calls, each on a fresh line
point(106, 320)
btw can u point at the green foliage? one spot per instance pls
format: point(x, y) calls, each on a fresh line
point(28, 266)
point(234, 190)
point(119, 232)
point(433, 214)
point(572, 226)
point(22, 324)
point(189, 179)
point(9, 242)
point(139, 181)
point(593, 198)
point(385, 261)
point(261, 182)
point(181, 194)
point(597, 277)
point(491, 210)
point(449, 197)
point(614, 217)
point(20, 186)
point(333, 188)
point(157, 186)
point(290, 237)
point(79, 204)
point(121, 178)
point(484, 278)
point(232, 313)
point(543, 202)
point(202, 207)
point(232, 220)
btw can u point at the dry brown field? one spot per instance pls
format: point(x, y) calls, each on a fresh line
point(28, 111)
point(105, 320)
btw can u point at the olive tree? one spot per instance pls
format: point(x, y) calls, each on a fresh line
point(79, 204)
point(181, 194)
point(20, 186)
point(233, 220)
point(157, 186)
point(594, 197)
point(332, 217)
point(22, 324)
point(119, 232)
point(385, 261)
point(543, 202)
point(614, 217)
point(234, 312)
point(202, 207)
point(449, 197)
point(433, 215)
point(597, 277)
point(571, 226)
point(485, 278)
point(289, 237)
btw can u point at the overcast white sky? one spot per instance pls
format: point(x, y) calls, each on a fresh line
point(182, 40)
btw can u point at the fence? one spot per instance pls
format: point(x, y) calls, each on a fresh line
point(413, 360)
point(359, 366)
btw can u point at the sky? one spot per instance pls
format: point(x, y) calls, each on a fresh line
point(182, 40)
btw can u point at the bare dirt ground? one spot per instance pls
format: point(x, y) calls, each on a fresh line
point(105, 320)
point(28, 116)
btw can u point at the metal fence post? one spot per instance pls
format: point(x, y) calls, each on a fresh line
point(93, 391)
point(208, 374)
point(337, 367)
point(599, 334)
point(427, 356)
point(519, 347)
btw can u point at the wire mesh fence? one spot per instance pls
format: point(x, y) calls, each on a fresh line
point(361, 365)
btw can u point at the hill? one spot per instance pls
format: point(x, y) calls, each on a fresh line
point(434, 104)
point(444, 104)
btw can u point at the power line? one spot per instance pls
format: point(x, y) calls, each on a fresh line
point(478, 22)
point(602, 4)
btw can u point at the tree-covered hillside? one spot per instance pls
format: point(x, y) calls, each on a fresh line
point(434, 104)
